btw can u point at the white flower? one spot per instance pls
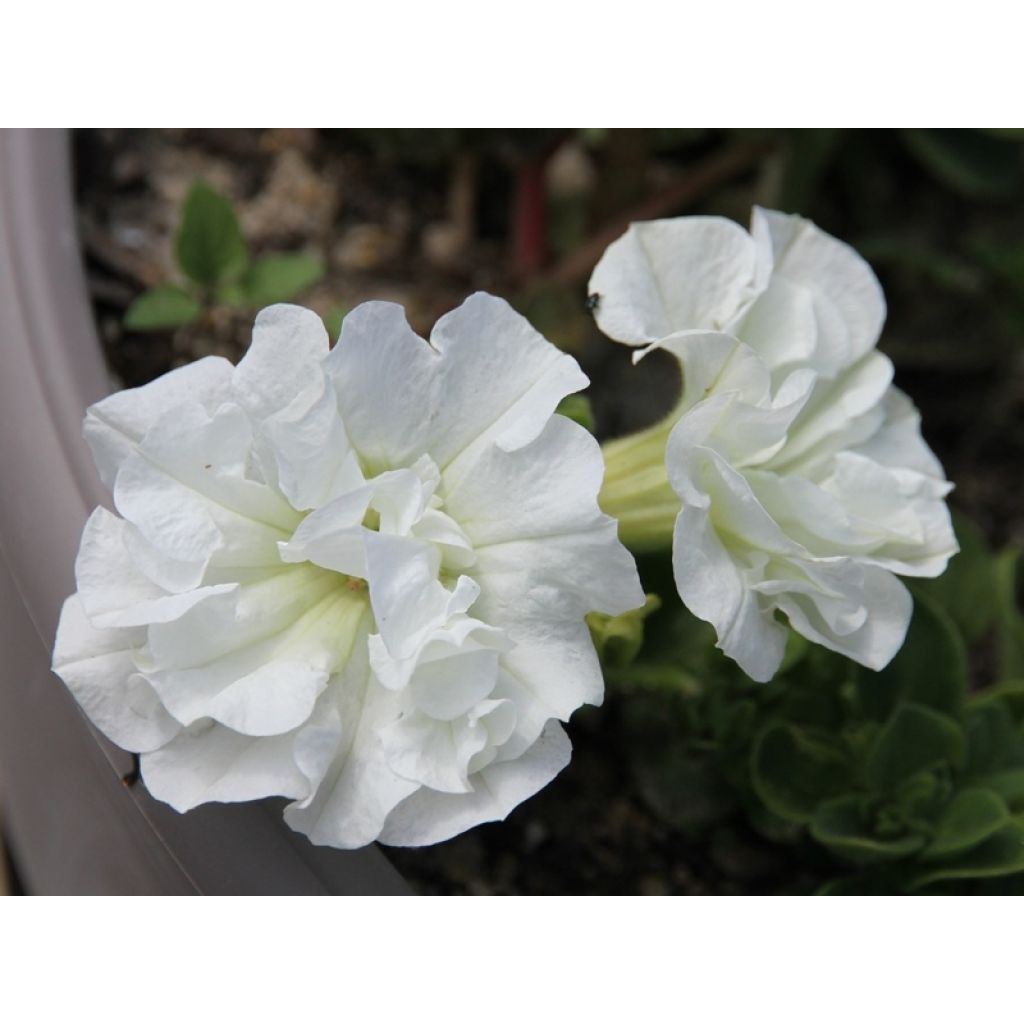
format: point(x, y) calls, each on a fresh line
point(355, 578)
point(793, 472)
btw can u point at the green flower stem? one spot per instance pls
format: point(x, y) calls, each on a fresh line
point(636, 490)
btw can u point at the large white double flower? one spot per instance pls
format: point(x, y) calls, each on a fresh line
point(356, 578)
point(792, 476)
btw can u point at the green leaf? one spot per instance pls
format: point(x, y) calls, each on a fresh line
point(994, 739)
point(161, 308)
point(1011, 622)
point(280, 278)
point(969, 818)
point(1009, 694)
point(915, 739)
point(968, 161)
point(578, 409)
point(966, 590)
point(1001, 854)
point(793, 770)
point(841, 826)
point(209, 245)
point(930, 669)
point(1009, 784)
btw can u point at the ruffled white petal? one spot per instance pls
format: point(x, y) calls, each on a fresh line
point(528, 378)
point(849, 306)
point(428, 816)
point(99, 669)
point(212, 763)
point(115, 426)
point(290, 602)
point(665, 276)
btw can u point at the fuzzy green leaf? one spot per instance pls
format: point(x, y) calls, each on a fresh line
point(1001, 854)
point(915, 739)
point(209, 245)
point(969, 818)
point(841, 826)
point(161, 308)
point(280, 278)
point(793, 770)
point(995, 742)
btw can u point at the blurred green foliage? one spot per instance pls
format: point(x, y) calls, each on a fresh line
point(214, 259)
point(899, 781)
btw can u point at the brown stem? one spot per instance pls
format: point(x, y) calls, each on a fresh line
point(686, 190)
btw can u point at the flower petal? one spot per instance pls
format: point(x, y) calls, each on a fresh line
point(664, 276)
point(848, 302)
point(288, 344)
point(431, 817)
point(888, 606)
point(98, 667)
point(359, 789)
point(484, 339)
point(213, 764)
point(713, 585)
point(388, 385)
point(111, 588)
point(539, 506)
point(115, 426)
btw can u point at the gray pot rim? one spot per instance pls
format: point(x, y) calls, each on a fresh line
point(73, 826)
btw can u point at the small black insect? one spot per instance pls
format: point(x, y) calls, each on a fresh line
point(593, 301)
point(133, 776)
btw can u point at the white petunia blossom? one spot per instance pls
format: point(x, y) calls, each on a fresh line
point(792, 476)
point(356, 578)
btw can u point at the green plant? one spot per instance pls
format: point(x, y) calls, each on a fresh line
point(899, 781)
point(218, 270)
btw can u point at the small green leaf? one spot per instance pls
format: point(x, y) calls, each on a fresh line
point(930, 669)
point(209, 245)
point(161, 308)
point(972, 163)
point(578, 409)
point(841, 826)
point(280, 278)
point(1001, 854)
point(915, 739)
point(969, 818)
point(793, 770)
